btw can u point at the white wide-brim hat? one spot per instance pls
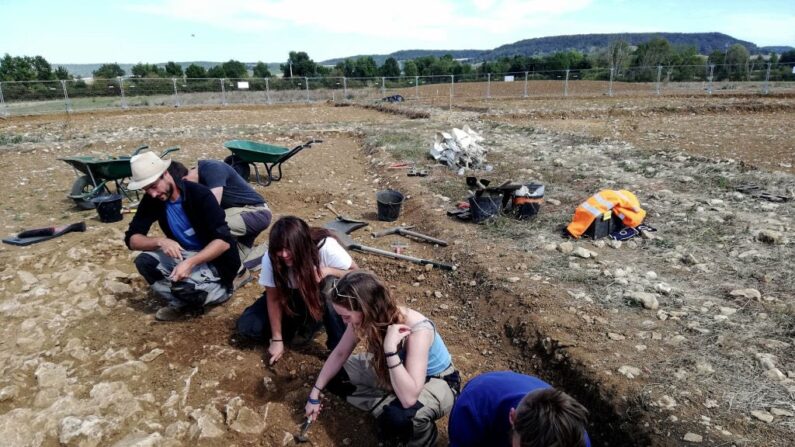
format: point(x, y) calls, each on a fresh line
point(146, 169)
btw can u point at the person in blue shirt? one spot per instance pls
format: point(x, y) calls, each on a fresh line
point(192, 265)
point(405, 378)
point(509, 409)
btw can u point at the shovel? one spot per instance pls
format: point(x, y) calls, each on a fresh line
point(343, 224)
point(349, 244)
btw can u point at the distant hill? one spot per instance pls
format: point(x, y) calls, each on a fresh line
point(705, 43)
point(404, 55)
point(777, 50)
point(86, 70)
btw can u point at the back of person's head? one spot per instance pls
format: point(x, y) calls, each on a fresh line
point(177, 170)
point(550, 418)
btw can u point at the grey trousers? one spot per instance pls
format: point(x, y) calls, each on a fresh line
point(435, 401)
point(204, 278)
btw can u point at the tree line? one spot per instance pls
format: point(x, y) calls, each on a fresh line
point(629, 63)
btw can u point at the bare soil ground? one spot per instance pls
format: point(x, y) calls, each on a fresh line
point(84, 363)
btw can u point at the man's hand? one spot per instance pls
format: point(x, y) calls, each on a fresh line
point(182, 270)
point(170, 247)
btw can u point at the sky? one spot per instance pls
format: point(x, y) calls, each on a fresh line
point(156, 31)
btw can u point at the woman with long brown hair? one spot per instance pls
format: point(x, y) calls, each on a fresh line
point(299, 258)
point(406, 379)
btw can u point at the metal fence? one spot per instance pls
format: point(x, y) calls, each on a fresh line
point(40, 97)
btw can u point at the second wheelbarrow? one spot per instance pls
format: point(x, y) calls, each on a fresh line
point(247, 153)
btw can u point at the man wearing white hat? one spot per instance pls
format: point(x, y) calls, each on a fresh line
point(192, 265)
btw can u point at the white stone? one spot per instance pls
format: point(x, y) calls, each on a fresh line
point(117, 288)
point(151, 355)
point(124, 370)
point(50, 375)
point(582, 252)
point(208, 423)
point(666, 402)
point(566, 247)
point(629, 371)
point(138, 439)
point(763, 416)
point(692, 437)
point(90, 428)
point(746, 293)
point(781, 412)
point(647, 300)
point(663, 288)
point(711, 403)
point(8, 393)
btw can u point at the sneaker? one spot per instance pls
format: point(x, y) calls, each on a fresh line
point(242, 278)
point(169, 313)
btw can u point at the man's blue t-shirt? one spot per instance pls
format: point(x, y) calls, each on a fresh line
point(480, 415)
point(213, 173)
point(181, 226)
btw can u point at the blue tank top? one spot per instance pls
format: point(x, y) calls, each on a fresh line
point(439, 357)
point(181, 227)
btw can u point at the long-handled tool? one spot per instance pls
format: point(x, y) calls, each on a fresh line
point(349, 244)
point(406, 232)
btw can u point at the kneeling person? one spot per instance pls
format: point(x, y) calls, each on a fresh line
point(509, 409)
point(193, 265)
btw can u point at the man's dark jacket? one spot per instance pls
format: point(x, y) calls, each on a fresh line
point(204, 214)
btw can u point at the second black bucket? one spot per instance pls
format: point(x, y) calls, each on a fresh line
point(484, 207)
point(389, 203)
point(108, 207)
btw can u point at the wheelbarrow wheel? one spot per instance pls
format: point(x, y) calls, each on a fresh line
point(80, 189)
point(240, 166)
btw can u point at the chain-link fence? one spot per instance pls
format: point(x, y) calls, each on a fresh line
point(40, 97)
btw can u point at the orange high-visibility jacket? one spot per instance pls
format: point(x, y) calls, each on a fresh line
point(623, 203)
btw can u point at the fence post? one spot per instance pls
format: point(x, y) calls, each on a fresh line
point(223, 91)
point(383, 86)
point(452, 86)
point(659, 73)
point(306, 79)
point(67, 103)
point(121, 90)
point(3, 107)
point(566, 84)
point(488, 86)
point(525, 84)
point(176, 96)
point(345, 88)
point(417, 87)
point(267, 90)
point(610, 85)
point(765, 90)
point(709, 78)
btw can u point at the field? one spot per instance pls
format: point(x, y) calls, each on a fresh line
point(84, 363)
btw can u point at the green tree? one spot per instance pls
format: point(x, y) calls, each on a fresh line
point(17, 68)
point(261, 70)
point(173, 69)
point(195, 71)
point(365, 67)
point(618, 56)
point(43, 69)
point(234, 69)
point(787, 57)
point(216, 72)
point(108, 71)
point(299, 64)
point(737, 58)
point(141, 70)
point(410, 68)
point(391, 68)
point(62, 73)
point(773, 59)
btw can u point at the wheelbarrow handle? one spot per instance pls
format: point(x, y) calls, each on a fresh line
point(389, 254)
point(140, 148)
point(168, 151)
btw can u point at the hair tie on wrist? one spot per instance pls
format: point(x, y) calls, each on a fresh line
point(390, 354)
point(317, 388)
point(313, 401)
point(277, 339)
point(395, 365)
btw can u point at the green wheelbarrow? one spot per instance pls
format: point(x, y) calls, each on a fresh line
point(246, 153)
point(94, 174)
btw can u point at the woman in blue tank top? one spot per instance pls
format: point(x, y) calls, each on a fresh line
point(406, 378)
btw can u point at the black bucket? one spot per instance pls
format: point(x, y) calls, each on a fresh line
point(484, 207)
point(389, 202)
point(108, 207)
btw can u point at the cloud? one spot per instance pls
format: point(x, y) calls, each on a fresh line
point(418, 20)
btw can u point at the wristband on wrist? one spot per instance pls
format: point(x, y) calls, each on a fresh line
point(317, 388)
point(390, 354)
point(395, 365)
point(313, 401)
point(277, 339)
